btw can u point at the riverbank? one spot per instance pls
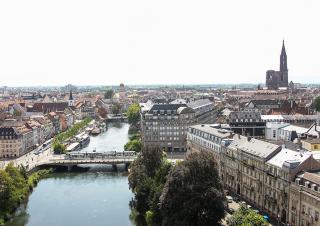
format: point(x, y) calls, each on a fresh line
point(103, 194)
point(16, 186)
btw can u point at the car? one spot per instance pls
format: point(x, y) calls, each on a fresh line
point(229, 199)
point(230, 210)
point(243, 203)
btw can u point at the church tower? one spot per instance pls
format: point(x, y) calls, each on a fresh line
point(283, 67)
point(71, 100)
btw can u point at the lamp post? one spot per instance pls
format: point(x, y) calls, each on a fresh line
point(278, 219)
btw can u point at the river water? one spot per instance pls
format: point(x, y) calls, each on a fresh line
point(82, 199)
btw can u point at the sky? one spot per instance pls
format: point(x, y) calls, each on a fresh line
point(106, 42)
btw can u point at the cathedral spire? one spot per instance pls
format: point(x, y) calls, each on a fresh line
point(283, 50)
point(283, 59)
point(70, 95)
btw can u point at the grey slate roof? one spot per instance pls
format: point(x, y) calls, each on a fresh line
point(207, 128)
point(255, 147)
point(199, 103)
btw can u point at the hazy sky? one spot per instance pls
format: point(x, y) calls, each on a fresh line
point(100, 42)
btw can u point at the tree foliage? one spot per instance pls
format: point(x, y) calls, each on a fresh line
point(146, 179)
point(116, 108)
point(59, 148)
point(246, 217)
point(317, 103)
point(133, 113)
point(15, 185)
point(108, 94)
point(193, 193)
point(72, 131)
point(133, 145)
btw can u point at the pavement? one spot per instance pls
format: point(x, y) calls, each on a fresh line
point(29, 160)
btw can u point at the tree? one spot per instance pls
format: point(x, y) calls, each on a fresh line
point(146, 179)
point(193, 193)
point(108, 94)
point(6, 188)
point(317, 103)
point(133, 113)
point(245, 216)
point(133, 145)
point(59, 148)
point(115, 109)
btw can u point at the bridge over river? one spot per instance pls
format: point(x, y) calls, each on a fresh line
point(111, 158)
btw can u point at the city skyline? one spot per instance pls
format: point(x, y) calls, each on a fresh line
point(148, 43)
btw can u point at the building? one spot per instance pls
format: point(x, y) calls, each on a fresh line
point(262, 105)
point(70, 100)
point(165, 126)
point(204, 111)
point(207, 138)
point(11, 142)
point(281, 170)
point(276, 79)
point(247, 123)
point(272, 130)
point(304, 200)
point(311, 144)
point(302, 120)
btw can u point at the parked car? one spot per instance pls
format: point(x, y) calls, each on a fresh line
point(229, 198)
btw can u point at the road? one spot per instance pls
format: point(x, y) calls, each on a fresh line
point(29, 160)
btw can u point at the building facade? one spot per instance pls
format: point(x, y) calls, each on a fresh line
point(259, 172)
point(11, 142)
point(164, 126)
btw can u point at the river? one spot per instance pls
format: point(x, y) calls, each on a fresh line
point(92, 198)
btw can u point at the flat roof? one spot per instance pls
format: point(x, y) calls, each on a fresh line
point(290, 157)
point(207, 128)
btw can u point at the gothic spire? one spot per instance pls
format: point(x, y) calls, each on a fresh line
point(283, 59)
point(283, 50)
point(70, 95)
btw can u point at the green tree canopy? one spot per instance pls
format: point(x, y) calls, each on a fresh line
point(246, 217)
point(193, 193)
point(133, 113)
point(317, 103)
point(146, 179)
point(133, 145)
point(108, 94)
point(59, 148)
point(116, 108)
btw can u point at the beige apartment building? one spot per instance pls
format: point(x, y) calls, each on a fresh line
point(260, 172)
point(304, 203)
